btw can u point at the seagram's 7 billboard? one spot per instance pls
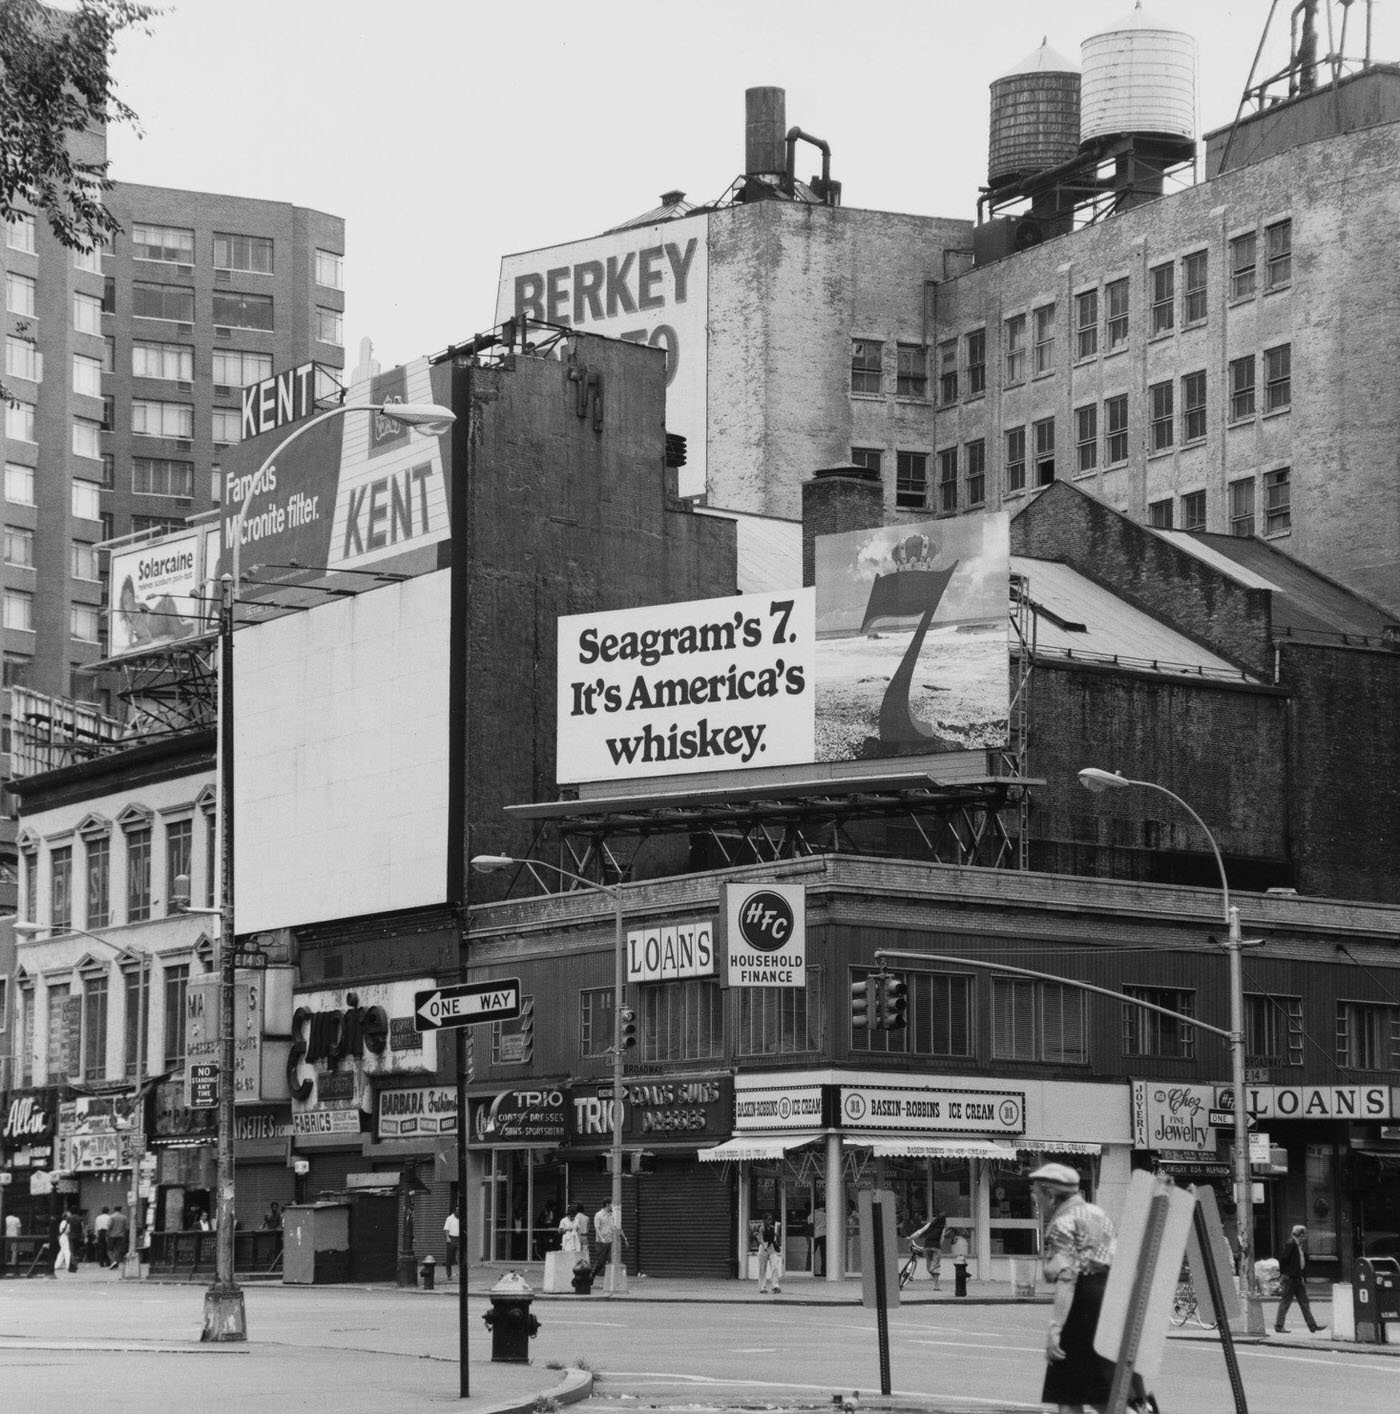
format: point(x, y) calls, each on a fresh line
point(899, 650)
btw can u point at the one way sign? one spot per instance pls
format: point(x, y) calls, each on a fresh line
point(469, 1004)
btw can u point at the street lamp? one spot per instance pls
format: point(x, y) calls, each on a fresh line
point(142, 960)
point(489, 863)
point(1098, 781)
point(224, 1315)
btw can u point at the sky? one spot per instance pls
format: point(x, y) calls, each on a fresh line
point(449, 133)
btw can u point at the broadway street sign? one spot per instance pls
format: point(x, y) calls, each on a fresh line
point(468, 1004)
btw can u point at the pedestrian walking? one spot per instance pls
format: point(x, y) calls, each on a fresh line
point(101, 1227)
point(116, 1237)
point(453, 1228)
point(1292, 1271)
point(819, 1240)
point(11, 1224)
point(65, 1261)
point(770, 1256)
point(1077, 1252)
point(605, 1223)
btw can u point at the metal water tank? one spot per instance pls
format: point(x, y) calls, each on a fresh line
point(1035, 117)
point(1139, 76)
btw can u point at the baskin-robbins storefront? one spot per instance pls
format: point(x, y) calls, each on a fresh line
point(806, 1142)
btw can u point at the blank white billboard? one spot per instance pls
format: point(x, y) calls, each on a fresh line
point(341, 758)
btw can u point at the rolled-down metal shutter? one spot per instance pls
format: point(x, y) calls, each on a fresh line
point(685, 1222)
point(257, 1186)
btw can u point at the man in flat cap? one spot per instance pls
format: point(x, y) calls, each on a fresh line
point(1076, 1254)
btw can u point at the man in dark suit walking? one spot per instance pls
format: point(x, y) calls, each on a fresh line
point(1292, 1269)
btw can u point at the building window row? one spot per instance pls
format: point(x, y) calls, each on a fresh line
point(176, 304)
point(867, 363)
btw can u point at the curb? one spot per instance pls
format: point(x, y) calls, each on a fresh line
point(576, 1385)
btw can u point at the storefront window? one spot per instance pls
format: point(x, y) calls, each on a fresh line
point(681, 1020)
point(778, 1020)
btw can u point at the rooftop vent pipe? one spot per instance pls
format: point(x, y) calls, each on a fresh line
point(765, 111)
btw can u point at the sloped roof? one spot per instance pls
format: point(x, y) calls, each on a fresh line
point(1081, 620)
point(667, 211)
point(1306, 604)
point(769, 550)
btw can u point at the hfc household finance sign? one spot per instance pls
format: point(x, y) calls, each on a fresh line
point(709, 685)
point(765, 934)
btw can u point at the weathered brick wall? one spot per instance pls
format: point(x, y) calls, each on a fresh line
point(1222, 748)
point(563, 520)
point(1063, 523)
point(834, 503)
point(1339, 435)
point(790, 286)
point(1344, 769)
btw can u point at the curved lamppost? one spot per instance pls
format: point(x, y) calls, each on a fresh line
point(489, 863)
point(224, 1316)
point(1098, 781)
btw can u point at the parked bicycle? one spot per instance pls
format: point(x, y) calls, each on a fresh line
point(1186, 1306)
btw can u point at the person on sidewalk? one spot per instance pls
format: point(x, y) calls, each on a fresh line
point(770, 1261)
point(929, 1237)
point(66, 1261)
point(116, 1238)
point(1077, 1252)
point(101, 1225)
point(605, 1223)
point(1292, 1269)
point(453, 1228)
point(819, 1240)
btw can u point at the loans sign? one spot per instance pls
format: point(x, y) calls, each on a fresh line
point(708, 685)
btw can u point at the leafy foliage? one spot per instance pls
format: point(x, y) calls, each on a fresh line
point(55, 85)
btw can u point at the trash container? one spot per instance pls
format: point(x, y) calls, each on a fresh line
point(1376, 1298)
point(509, 1319)
point(316, 1243)
point(1023, 1279)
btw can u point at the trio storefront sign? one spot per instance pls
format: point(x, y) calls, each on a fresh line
point(927, 1109)
point(426, 1110)
point(516, 1116)
point(777, 1107)
point(1175, 1117)
point(693, 1111)
point(765, 934)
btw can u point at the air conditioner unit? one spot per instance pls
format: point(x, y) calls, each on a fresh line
point(185, 269)
point(184, 328)
point(223, 331)
point(185, 387)
point(184, 443)
point(223, 390)
point(221, 277)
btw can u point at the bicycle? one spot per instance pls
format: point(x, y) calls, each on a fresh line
point(906, 1272)
point(1186, 1307)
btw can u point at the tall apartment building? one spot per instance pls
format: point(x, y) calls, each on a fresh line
point(124, 370)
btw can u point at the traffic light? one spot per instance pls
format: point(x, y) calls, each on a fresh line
point(894, 1004)
point(865, 1003)
point(627, 1028)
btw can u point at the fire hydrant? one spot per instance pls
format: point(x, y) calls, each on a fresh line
point(509, 1319)
point(959, 1276)
point(427, 1271)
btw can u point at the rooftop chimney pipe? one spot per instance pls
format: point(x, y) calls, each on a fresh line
point(765, 131)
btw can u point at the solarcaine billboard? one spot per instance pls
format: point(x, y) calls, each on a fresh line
point(645, 284)
point(900, 649)
point(158, 594)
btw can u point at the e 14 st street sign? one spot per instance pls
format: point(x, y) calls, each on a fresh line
point(467, 1004)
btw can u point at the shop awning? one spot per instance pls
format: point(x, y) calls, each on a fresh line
point(754, 1148)
point(934, 1148)
point(1057, 1146)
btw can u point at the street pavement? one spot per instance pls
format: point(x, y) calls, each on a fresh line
point(354, 1349)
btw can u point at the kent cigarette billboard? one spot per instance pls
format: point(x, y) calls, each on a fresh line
point(648, 285)
point(900, 649)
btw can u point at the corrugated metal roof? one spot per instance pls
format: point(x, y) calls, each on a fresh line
point(668, 211)
point(1096, 626)
point(1304, 602)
